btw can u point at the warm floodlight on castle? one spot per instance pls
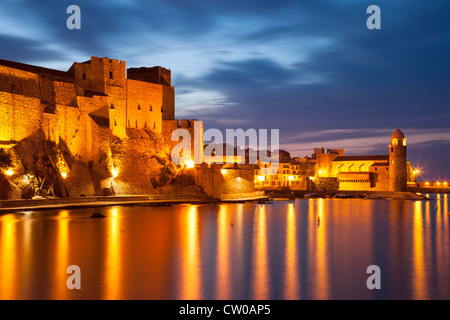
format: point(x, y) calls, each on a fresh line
point(189, 164)
point(114, 172)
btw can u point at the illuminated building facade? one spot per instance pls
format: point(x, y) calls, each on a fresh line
point(391, 172)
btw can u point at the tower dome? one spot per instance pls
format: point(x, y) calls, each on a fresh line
point(398, 134)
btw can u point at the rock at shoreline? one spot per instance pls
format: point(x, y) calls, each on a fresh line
point(97, 215)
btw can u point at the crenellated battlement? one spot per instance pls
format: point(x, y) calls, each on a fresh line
point(112, 62)
point(158, 75)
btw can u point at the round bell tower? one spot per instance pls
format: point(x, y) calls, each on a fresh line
point(397, 162)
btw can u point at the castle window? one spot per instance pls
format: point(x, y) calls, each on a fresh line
point(115, 122)
point(129, 123)
point(154, 125)
point(111, 105)
point(84, 76)
point(110, 75)
point(145, 124)
point(136, 123)
point(151, 108)
point(392, 149)
point(387, 168)
point(139, 106)
point(162, 108)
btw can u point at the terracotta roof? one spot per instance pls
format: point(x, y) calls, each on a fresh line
point(380, 164)
point(363, 158)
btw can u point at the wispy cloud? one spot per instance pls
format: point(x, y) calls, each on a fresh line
point(364, 141)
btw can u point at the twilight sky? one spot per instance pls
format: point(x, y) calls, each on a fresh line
point(309, 68)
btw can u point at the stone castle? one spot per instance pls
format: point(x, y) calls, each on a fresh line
point(86, 115)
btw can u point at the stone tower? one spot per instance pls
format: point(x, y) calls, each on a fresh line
point(397, 162)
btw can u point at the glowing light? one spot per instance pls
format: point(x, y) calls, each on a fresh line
point(9, 172)
point(261, 178)
point(223, 171)
point(320, 171)
point(417, 171)
point(404, 142)
point(427, 183)
point(64, 174)
point(291, 177)
point(438, 183)
point(189, 164)
point(445, 183)
point(311, 178)
point(238, 178)
point(114, 172)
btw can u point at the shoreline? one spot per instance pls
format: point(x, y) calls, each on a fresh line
point(9, 206)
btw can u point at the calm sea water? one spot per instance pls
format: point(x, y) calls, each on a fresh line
point(231, 251)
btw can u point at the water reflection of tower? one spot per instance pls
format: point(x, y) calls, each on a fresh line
point(397, 162)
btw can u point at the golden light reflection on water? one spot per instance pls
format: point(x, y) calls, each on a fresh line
point(231, 251)
point(113, 278)
point(7, 257)
point(260, 268)
point(191, 277)
point(223, 255)
point(291, 276)
point(419, 272)
point(321, 263)
point(62, 256)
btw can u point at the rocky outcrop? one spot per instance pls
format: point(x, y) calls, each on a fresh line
point(39, 159)
point(141, 162)
point(8, 190)
point(145, 167)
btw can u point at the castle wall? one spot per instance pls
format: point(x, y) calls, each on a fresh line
point(149, 98)
point(354, 181)
point(170, 125)
point(160, 76)
point(209, 177)
point(380, 178)
point(168, 103)
point(20, 104)
point(225, 180)
point(20, 116)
